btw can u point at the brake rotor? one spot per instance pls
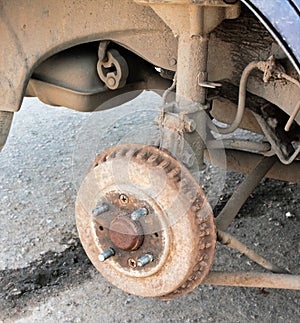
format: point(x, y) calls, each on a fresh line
point(145, 223)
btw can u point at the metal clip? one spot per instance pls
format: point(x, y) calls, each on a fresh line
point(211, 85)
point(113, 69)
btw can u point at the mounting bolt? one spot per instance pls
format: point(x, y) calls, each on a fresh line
point(189, 125)
point(137, 214)
point(111, 81)
point(144, 260)
point(172, 61)
point(100, 209)
point(106, 254)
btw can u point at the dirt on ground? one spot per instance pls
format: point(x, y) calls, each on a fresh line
point(45, 275)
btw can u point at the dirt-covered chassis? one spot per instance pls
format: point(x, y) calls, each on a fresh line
point(142, 217)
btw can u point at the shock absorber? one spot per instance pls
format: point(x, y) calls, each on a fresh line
point(191, 22)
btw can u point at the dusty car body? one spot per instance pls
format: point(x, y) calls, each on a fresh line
point(237, 62)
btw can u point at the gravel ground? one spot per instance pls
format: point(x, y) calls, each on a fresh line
point(44, 273)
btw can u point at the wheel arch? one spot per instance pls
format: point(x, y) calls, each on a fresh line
point(282, 19)
point(31, 34)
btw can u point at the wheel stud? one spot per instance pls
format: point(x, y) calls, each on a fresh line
point(144, 260)
point(100, 209)
point(106, 254)
point(137, 214)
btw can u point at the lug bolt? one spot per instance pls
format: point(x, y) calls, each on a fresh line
point(145, 260)
point(137, 214)
point(106, 254)
point(100, 209)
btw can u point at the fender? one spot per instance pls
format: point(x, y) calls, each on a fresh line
point(282, 19)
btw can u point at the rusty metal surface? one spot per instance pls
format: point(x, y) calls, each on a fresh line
point(186, 238)
point(253, 279)
point(126, 234)
point(130, 239)
point(244, 162)
point(32, 33)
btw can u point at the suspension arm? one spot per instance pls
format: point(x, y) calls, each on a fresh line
point(253, 279)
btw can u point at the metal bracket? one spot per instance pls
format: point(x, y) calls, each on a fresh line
point(178, 132)
point(285, 151)
point(179, 122)
point(112, 68)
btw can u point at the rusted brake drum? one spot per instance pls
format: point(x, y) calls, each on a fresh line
point(145, 223)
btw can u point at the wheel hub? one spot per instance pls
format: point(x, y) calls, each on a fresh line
point(145, 222)
point(131, 231)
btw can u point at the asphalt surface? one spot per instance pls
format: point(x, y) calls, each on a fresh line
point(45, 275)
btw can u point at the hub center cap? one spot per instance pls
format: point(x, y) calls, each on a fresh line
point(126, 234)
